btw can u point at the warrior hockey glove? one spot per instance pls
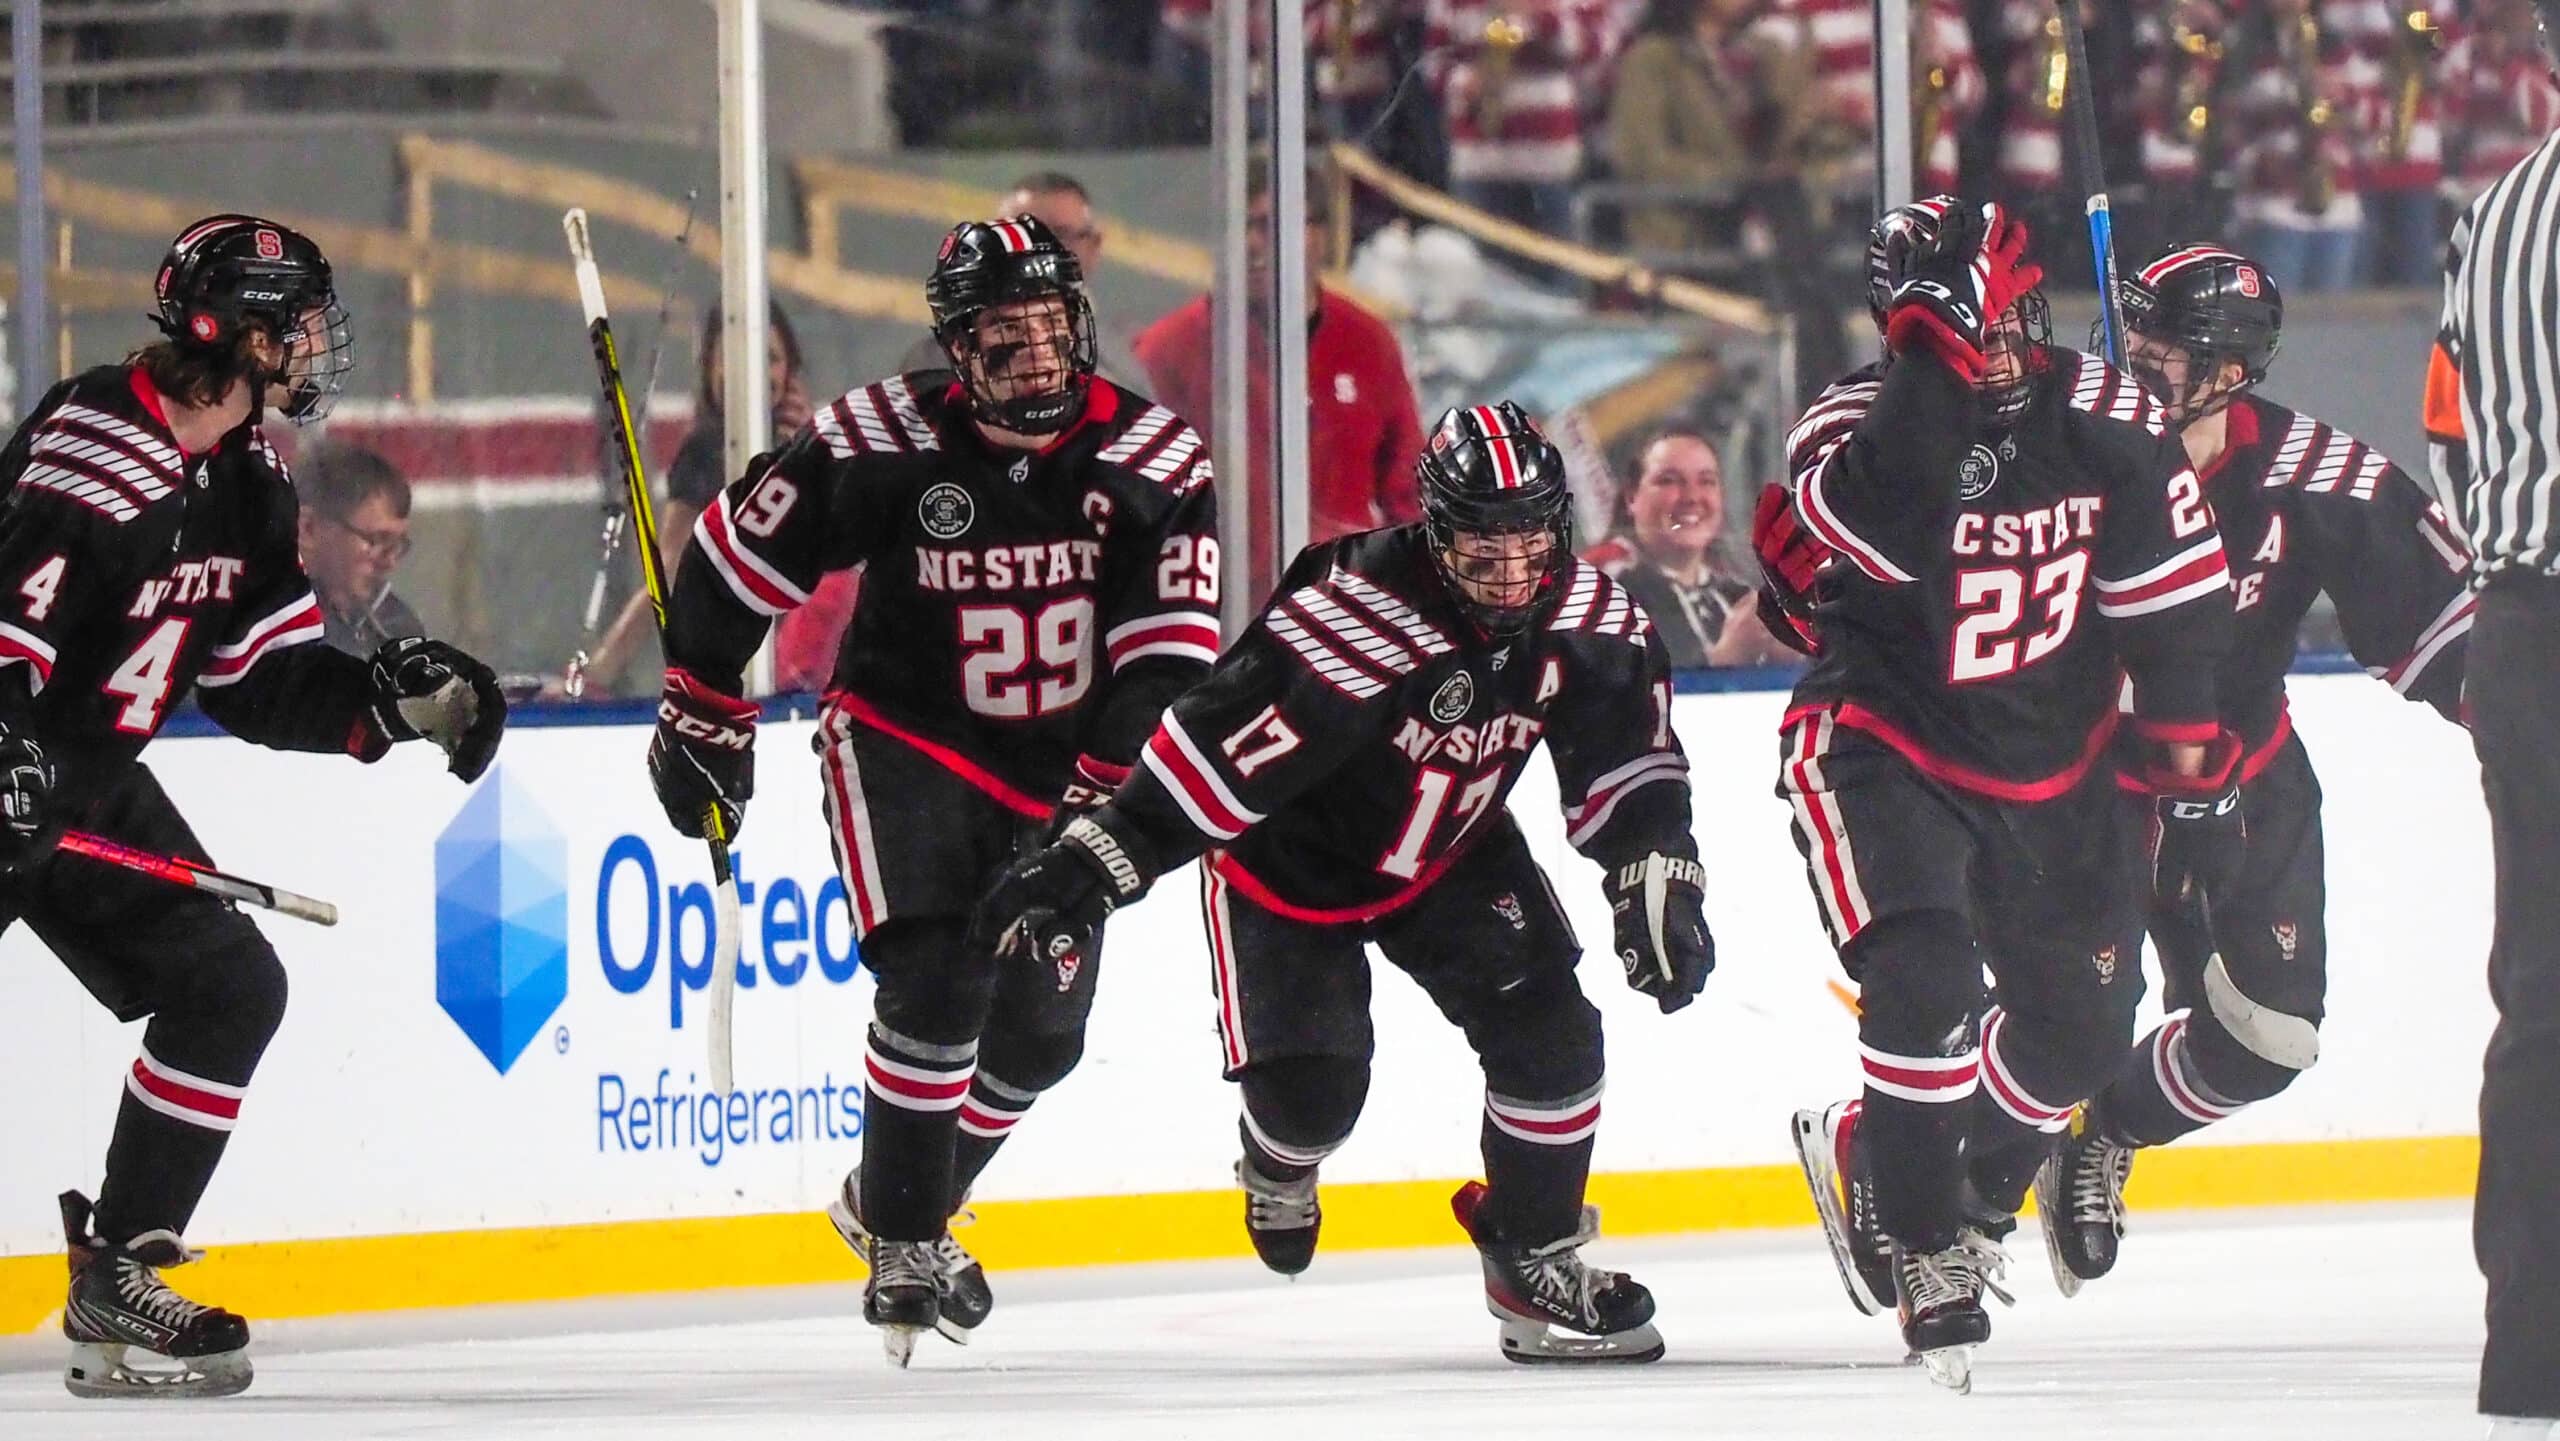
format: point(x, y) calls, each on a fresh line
point(1049, 904)
point(426, 689)
point(27, 829)
point(704, 754)
point(2198, 830)
point(1658, 908)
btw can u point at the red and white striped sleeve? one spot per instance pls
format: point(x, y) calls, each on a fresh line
point(1816, 457)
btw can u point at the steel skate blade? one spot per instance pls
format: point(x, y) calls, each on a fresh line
point(899, 1342)
point(1821, 1176)
point(103, 1371)
point(1951, 1367)
point(2049, 1206)
point(1534, 1343)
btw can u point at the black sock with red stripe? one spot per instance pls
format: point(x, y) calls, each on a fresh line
point(987, 1116)
point(1537, 1163)
point(913, 1092)
point(181, 1099)
point(2159, 1095)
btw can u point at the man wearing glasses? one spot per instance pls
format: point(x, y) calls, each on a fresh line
point(354, 532)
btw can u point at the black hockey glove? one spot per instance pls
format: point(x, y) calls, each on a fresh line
point(704, 754)
point(1658, 908)
point(426, 689)
point(2198, 829)
point(1049, 904)
point(27, 824)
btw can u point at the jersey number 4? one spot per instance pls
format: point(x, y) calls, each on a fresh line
point(1991, 607)
point(142, 682)
point(999, 643)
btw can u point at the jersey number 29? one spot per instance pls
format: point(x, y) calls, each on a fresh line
point(1000, 642)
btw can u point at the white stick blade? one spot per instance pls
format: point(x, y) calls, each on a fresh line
point(724, 983)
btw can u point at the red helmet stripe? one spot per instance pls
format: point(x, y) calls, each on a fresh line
point(1016, 239)
point(203, 230)
point(1506, 460)
point(2177, 260)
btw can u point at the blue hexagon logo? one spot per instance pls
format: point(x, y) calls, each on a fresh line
point(502, 919)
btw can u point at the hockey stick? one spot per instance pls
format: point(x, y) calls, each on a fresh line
point(2080, 101)
point(653, 572)
point(204, 878)
point(617, 509)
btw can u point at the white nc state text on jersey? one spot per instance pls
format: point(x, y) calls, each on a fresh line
point(1469, 743)
point(2012, 534)
point(188, 582)
point(1033, 565)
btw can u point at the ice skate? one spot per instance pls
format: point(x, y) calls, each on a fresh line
point(903, 1296)
point(1282, 1217)
point(1826, 1144)
point(118, 1305)
point(2080, 1199)
point(966, 1297)
point(1531, 1289)
point(1939, 1296)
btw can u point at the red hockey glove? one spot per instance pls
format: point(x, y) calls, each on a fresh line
point(1790, 559)
point(704, 754)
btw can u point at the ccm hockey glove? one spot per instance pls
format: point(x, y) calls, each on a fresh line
point(704, 754)
point(426, 689)
point(1657, 906)
point(2198, 829)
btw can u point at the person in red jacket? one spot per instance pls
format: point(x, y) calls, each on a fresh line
point(1363, 430)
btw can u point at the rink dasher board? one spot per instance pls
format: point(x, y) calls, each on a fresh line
point(385, 1159)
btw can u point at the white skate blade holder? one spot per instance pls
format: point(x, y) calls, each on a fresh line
point(1535, 1343)
point(104, 1371)
point(1951, 1367)
point(899, 1344)
point(1822, 1177)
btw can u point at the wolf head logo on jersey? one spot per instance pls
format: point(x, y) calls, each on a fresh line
point(946, 512)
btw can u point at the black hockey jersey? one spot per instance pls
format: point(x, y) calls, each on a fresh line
point(1019, 608)
point(1362, 734)
point(1992, 589)
point(2304, 507)
point(131, 572)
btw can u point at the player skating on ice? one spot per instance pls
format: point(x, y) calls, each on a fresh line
point(2303, 507)
point(2004, 529)
point(1342, 775)
point(1042, 581)
point(147, 552)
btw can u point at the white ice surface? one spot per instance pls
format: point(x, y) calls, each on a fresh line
point(2339, 1324)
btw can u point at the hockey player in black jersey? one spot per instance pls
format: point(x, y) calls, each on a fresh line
point(1342, 775)
point(2303, 508)
point(2007, 530)
point(147, 551)
point(1042, 582)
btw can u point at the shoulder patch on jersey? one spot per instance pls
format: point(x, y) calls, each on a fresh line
point(103, 461)
point(1161, 447)
point(878, 419)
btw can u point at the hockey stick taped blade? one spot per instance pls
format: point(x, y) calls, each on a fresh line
point(582, 252)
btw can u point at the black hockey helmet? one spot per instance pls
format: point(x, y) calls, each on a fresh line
point(985, 264)
point(228, 271)
point(1491, 483)
point(2217, 305)
point(1908, 230)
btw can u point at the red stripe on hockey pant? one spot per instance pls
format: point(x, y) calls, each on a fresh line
point(1831, 854)
point(214, 1109)
point(849, 855)
point(1213, 893)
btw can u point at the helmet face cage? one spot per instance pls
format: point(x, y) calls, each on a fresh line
point(230, 272)
point(987, 265)
point(1489, 481)
point(2004, 400)
point(2214, 305)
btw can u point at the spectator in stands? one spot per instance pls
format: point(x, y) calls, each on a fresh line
point(1363, 431)
point(1059, 201)
point(2179, 52)
point(354, 532)
point(1705, 100)
point(2500, 98)
point(2292, 105)
point(1510, 76)
point(1839, 35)
point(700, 471)
point(2027, 162)
point(1670, 553)
point(2398, 129)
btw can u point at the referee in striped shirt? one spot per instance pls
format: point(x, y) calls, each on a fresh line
point(2493, 415)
